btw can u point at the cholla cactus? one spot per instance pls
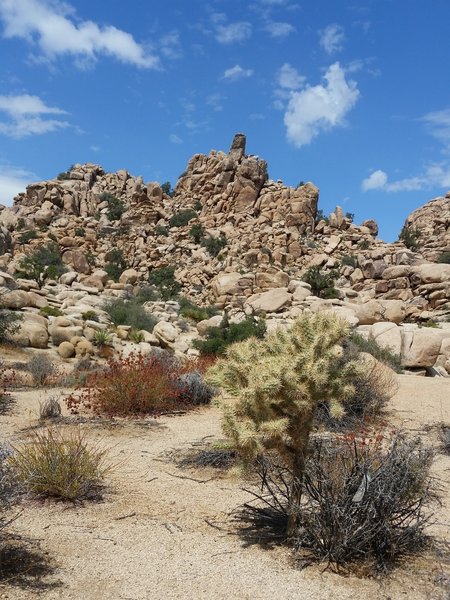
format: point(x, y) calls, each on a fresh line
point(277, 385)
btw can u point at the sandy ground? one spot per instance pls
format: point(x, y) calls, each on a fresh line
point(163, 532)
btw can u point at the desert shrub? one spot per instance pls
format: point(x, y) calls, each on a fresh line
point(7, 381)
point(321, 217)
point(161, 230)
point(64, 175)
point(21, 224)
point(43, 371)
point(135, 385)
point(362, 500)
point(193, 389)
point(218, 339)
point(9, 488)
point(146, 293)
point(444, 258)
point(116, 207)
point(189, 310)
point(444, 435)
point(430, 323)
point(50, 311)
point(116, 264)
point(129, 312)
point(163, 279)
point(364, 244)
point(384, 355)
point(197, 232)
point(322, 284)
point(27, 236)
point(90, 315)
point(44, 263)
point(349, 260)
point(214, 245)
point(50, 408)
point(80, 232)
point(60, 464)
point(10, 323)
point(350, 216)
point(166, 187)
point(182, 218)
point(101, 338)
point(198, 206)
point(410, 237)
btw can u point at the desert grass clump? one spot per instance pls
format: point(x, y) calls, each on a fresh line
point(444, 435)
point(9, 488)
point(279, 383)
point(364, 501)
point(50, 408)
point(60, 464)
point(43, 371)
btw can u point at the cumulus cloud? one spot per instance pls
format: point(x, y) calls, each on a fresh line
point(27, 115)
point(231, 33)
point(51, 25)
point(237, 72)
point(437, 174)
point(321, 107)
point(289, 78)
point(278, 29)
point(375, 181)
point(12, 181)
point(332, 38)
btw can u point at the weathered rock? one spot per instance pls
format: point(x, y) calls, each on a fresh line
point(66, 350)
point(271, 301)
point(165, 332)
point(420, 347)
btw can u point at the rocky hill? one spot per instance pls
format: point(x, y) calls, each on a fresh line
point(237, 240)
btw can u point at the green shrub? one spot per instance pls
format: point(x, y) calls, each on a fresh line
point(182, 217)
point(64, 175)
point(197, 232)
point(101, 338)
point(147, 293)
point(166, 187)
point(129, 312)
point(116, 264)
point(218, 339)
point(164, 281)
point(20, 224)
point(60, 465)
point(214, 245)
point(80, 232)
point(198, 206)
point(384, 355)
point(136, 336)
point(350, 216)
point(90, 315)
point(50, 311)
point(322, 284)
point(321, 217)
point(444, 258)
point(410, 237)
point(44, 263)
point(430, 323)
point(27, 236)
point(350, 260)
point(364, 244)
point(10, 323)
point(189, 310)
point(161, 230)
point(116, 207)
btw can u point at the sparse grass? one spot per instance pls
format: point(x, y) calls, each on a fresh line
point(50, 408)
point(43, 371)
point(60, 464)
point(444, 434)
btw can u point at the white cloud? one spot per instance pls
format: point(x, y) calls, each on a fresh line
point(175, 139)
point(438, 124)
point(237, 72)
point(278, 29)
point(12, 181)
point(289, 78)
point(321, 107)
point(215, 101)
point(233, 32)
point(171, 46)
point(52, 26)
point(375, 181)
point(332, 38)
point(27, 116)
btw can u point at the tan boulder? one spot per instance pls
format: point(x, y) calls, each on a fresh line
point(270, 301)
point(203, 326)
point(374, 311)
point(430, 273)
point(165, 332)
point(420, 347)
point(15, 299)
point(66, 350)
point(387, 335)
point(272, 279)
point(225, 284)
point(129, 276)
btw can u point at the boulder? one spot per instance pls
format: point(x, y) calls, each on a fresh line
point(165, 332)
point(225, 284)
point(15, 299)
point(66, 350)
point(420, 347)
point(271, 301)
point(387, 335)
point(203, 326)
point(129, 276)
point(37, 335)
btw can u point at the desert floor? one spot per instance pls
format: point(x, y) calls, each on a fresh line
point(166, 532)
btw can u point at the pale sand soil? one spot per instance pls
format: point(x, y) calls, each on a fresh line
point(164, 548)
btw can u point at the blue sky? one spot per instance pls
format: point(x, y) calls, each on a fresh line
point(354, 96)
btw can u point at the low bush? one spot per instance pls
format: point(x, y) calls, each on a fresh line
point(444, 258)
point(10, 323)
point(322, 283)
point(182, 218)
point(362, 501)
point(90, 315)
point(80, 232)
point(384, 355)
point(189, 310)
point(364, 244)
point(218, 339)
point(116, 264)
point(101, 338)
point(166, 187)
point(27, 236)
point(349, 260)
point(42, 264)
point(197, 232)
point(8, 487)
point(214, 245)
point(50, 311)
point(163, 279)
point(193, 389)
point(444, 435)
point(60, 464)
point(64, 175)
point(410, 237)
point(146, 293)
point(129, 312)
point(161, 230)
point(43, 371)
point(135, 385)
point(116, 207)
